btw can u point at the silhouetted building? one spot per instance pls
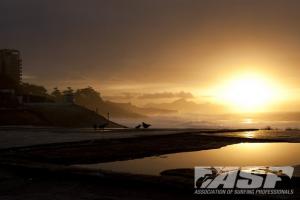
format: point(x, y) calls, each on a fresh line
point(10, 64)
point(10, 77)
point(8, 96)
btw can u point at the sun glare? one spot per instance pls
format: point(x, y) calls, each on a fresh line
point(248, 94)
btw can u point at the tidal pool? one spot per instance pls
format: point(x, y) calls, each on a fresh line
point(243, 154)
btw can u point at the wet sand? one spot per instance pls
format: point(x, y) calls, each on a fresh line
point(29, 136)
point(42, 171)
point(106, 150)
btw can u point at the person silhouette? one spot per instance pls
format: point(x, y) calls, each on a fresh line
point(102, 126)
point(138, 126)
point(146, 125)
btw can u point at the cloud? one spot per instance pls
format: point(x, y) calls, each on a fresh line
point(124, 96)
point(166, 95)
point(28, 77)
point(159, 95)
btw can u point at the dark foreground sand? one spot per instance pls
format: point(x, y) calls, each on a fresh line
point(43, 171)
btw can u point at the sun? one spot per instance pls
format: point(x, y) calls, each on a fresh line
point(248, 93)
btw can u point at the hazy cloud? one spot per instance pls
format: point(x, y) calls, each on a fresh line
point(127, 96)
point(159, 95)
point(166, 95)
point(135, 43)
point(28, 77)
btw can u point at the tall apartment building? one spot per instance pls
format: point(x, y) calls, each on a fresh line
point(10, 64)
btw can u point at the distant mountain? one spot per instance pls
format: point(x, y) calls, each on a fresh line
point(114, 109)
point(185, 106)
point(129, 107)
point(91, 99)
point(125, 110)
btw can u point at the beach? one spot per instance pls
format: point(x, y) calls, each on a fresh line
point(31, 167)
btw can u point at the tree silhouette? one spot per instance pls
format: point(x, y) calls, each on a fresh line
point(56, 95)
point(68, 91)
point(36, 90)
point(90, 98)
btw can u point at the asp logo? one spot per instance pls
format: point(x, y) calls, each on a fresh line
point(256, 177)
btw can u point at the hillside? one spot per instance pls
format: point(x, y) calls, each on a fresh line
point(60, 115)
point(92, 100)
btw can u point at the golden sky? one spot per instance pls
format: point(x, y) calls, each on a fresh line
point(162, 48)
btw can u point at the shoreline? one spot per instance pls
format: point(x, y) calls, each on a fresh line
point(117, 149)
point(39, 167)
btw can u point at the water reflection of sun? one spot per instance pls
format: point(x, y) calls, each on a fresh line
point(249, 134)
point(247, 121)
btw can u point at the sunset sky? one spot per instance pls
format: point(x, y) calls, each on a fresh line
point(142, 50)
